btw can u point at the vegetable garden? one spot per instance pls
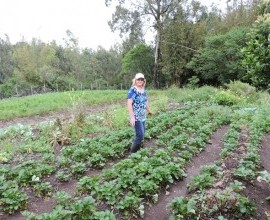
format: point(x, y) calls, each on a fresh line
point(97, 178)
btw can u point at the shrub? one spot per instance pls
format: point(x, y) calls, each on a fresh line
point(239, 88)
point(225, 98)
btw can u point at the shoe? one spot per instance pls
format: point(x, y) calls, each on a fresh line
point(135, 147)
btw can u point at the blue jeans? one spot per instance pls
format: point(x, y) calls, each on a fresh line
point(139, 132)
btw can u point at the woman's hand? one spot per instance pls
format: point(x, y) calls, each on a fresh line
point(132, 121)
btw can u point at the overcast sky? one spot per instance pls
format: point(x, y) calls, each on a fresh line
point(49, 19)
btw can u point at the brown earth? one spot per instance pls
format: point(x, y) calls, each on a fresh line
point(206, 157)
point(257, 191)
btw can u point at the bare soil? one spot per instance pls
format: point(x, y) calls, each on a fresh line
point(206, 157)
point(259, 191)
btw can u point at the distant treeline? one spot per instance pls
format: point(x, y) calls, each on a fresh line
point(197, 46)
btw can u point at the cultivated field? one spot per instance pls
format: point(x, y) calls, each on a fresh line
point(205, 156)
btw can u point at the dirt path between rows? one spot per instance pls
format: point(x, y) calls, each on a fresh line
point(259, 191)
point(211, 154)
point(265, 152)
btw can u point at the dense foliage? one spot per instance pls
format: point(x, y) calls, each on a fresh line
point(194, 45)
point(219, 61)
point(256, 53)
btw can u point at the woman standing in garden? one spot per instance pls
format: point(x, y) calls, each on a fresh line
point(137, 104)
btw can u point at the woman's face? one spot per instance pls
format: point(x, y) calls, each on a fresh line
point(140, 81)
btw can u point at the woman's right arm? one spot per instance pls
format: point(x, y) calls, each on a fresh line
point(131, 113)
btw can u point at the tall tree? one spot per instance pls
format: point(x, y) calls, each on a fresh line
point(182, 38)
point(100, 67)
point(6, 59)
point(130, 15)
point(34, 61)
point(72, 51)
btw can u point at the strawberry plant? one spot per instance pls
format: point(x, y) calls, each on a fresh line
point(43, 189)
point(63, 198)
point(212, 204)
point(96, 160)
point(106, 215)
point(11, 197)
point(78, 169)
point(83, 208)
point(130, 206)
point(63, 175)
point(88, 185)
point(200, 182)
point(182, 208)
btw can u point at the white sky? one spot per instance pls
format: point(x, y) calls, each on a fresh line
point(48, 20)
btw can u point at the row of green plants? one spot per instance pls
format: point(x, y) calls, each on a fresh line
point(73, 161)
point(135, 182)
point(217, 192)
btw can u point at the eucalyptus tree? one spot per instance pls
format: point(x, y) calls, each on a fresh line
point(239, 13)
point(182, 38)
point(101, 66)
point(72, 51)
point(6, 59)
point(138, 15)
point(35, 64)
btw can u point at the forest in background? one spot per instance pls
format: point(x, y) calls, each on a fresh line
point(195, 46)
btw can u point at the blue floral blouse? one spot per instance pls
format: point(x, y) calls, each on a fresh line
point(139, 103)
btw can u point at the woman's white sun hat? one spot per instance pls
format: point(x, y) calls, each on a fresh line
point(139, 75)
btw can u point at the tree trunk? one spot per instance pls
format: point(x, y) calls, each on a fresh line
point(156, 66)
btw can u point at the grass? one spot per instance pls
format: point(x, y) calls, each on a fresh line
point(18, 138)
point(50, 102)
point(45, 103)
